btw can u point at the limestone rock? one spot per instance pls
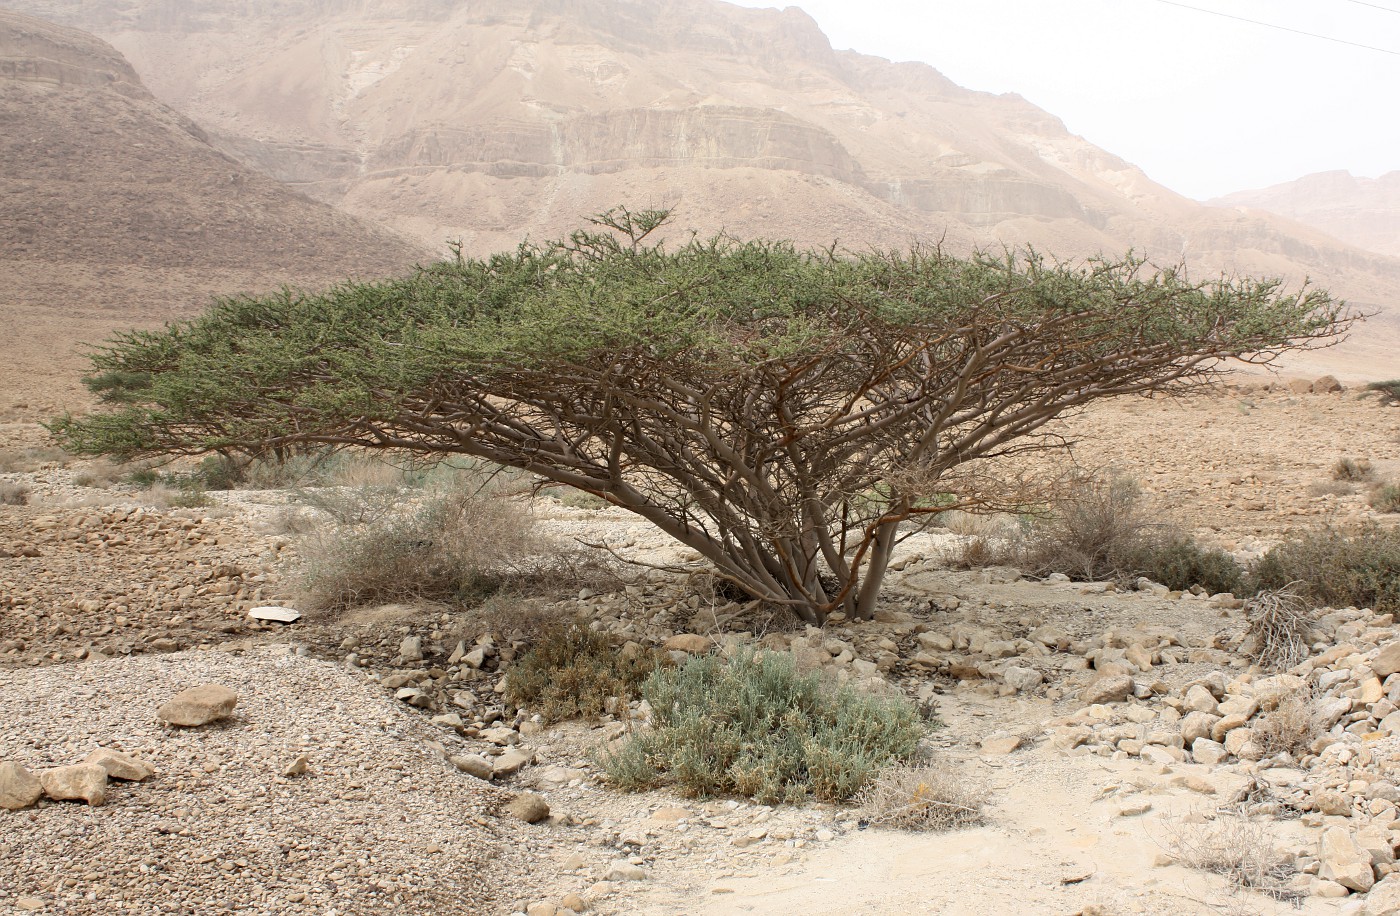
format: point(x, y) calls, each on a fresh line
point(689, 643)
point(198, 706)
point(1204, 750)
point(1022, 679)
point(79, 782)
point(622, 870)
point(1384, 898)
point(1333, 803)
point(473, 765)
point(1197, 725)
point(1344, 862)
point(1000, 745)
point(19, 788)
point(1387, 660)
point(1112, 688)
point(1199, 699)
point(529, 807)
point(119, 765)
point(511, 762)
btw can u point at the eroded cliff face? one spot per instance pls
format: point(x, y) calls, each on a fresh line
point(494, 120)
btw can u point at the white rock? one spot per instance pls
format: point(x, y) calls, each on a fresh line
point(275, 614)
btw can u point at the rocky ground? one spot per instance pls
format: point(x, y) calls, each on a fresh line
point(1117, 734)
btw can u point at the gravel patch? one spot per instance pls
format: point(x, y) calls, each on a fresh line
point(378, 823)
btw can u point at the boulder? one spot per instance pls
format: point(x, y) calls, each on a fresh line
point(19, 788)
point(1197, 725)
point(1022, 679)
point(79, 782)
point(689, 643)
point(529, 807)
point(119, 765)
point(473, 765)
point(1387, 660)
point(198, 706)
point(1384, 898)
point(1111, 688)
point(1345, 862)
point(1204, 750)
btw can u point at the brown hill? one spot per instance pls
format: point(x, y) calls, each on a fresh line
point(1364, 212)
point(118, 211)
point(493, 120)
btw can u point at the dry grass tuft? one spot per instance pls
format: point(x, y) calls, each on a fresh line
point(13, 494)
point(1385, 498)
point(1279, 624)
point(1352, 469)
point(1331, 488)
point(1291, 727)
point(1231, 843)
point(930, 796)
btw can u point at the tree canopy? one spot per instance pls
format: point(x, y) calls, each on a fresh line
point(781, 411)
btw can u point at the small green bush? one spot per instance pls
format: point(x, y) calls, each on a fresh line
point(1389, 392)
point(1385, 498)
point(1337, 568)
point(573, 672)
point(753, 726)
point(1179, 563)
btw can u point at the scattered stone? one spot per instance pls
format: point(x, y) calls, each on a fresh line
point(79, 782)
point(411, 649)
point(511, 762)
point(529, 807)
point(622, 870)
point(1204, 750)
point(1387, 661)
point(998, 745)
point(690, 643)
point(1333, 803)
point(1135, 809)
point(275, 614)
point(473, 765)
point(1344, 862)
point(119, 765)
point(297, 767)
point(19, 788)
point(1022, 679)
point(1112, 688)
point(198, 706)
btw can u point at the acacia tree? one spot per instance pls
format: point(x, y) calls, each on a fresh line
point(779, 411)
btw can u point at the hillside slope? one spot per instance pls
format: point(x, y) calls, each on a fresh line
point(1364, 212)
point(500, 119)
point(119, 211)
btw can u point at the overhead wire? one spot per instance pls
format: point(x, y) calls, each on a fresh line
point(1282, 28)
point(1375, 6)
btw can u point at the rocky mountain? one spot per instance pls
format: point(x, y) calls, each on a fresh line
point(499, 119)
point(119, 211)
point(1364, 212)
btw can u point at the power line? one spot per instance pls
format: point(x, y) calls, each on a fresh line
point(1375, 6)
point(1282, 28)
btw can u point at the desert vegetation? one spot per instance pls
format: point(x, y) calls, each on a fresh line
point(781, 412)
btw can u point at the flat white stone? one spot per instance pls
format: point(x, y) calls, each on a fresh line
point(278, 614)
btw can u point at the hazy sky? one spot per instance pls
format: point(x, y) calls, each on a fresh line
point(1204, 104)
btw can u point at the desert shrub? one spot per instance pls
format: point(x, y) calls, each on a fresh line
point(1290, 727)
point(573, 671)
point(451, 545)
point(13, 494)
point(752, 725)
point(1236, 845)
point(930, 796)
point(1331, 488)
point(1388, 392)
point(1385, 498)
point(1359, 567)
point(1352, 469)
point(1178, 562)
point(1096, 530)
point(24, 460)
point(1279, 623)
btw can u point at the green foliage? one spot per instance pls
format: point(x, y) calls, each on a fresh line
point(1388, 392)
point(573, 672)
point(1359, 567)
point(1178, 562)
point(779, 411)
point(752, 725)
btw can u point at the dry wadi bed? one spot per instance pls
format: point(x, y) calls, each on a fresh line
point(108, 607)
